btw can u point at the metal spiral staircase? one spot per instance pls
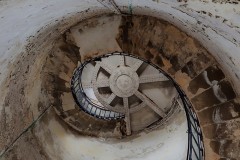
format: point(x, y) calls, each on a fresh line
point(113, 88)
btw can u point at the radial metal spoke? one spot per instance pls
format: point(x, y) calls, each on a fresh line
point(151, 104)
point(152, 78)
point(138, 107)
point(127, 116)
point(137, 65)
point(111, 98)
point(102, 83)
point(107, 67)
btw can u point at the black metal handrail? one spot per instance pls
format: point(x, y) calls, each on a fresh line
point(85, 103)
point(195, 138)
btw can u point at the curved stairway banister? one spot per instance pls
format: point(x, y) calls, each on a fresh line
point(195, 137)
point(84, 102)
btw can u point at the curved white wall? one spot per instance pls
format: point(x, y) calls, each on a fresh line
point(168, 142)
point(25, 23)
point(215, 25)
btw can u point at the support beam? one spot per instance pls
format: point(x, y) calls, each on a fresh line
point(151, 104)
point(152, 78)
point(127, 116)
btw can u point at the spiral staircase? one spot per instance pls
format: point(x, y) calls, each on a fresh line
point(118, 80)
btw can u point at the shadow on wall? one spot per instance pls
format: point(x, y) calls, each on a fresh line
point(202, 78)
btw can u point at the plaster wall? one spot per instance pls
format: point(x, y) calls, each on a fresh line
point(32, 26)
point(214, 23)
point(147, 145)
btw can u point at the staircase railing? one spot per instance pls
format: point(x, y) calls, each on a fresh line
point(195, 137)
point(84, 102)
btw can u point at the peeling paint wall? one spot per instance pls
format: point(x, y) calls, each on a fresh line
point(29, 27)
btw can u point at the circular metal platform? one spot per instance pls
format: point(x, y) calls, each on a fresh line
point(125, 86)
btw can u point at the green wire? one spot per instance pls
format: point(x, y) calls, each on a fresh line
point(130, 6)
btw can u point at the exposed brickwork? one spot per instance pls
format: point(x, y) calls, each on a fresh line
point(227, 90)
point(179, 55)
point(58, 70)
point(196, 71)
point(230, 149)
point(206, 79)
point(215, 95)
point(205, 99)
point(224, 130)
point(217, 114)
